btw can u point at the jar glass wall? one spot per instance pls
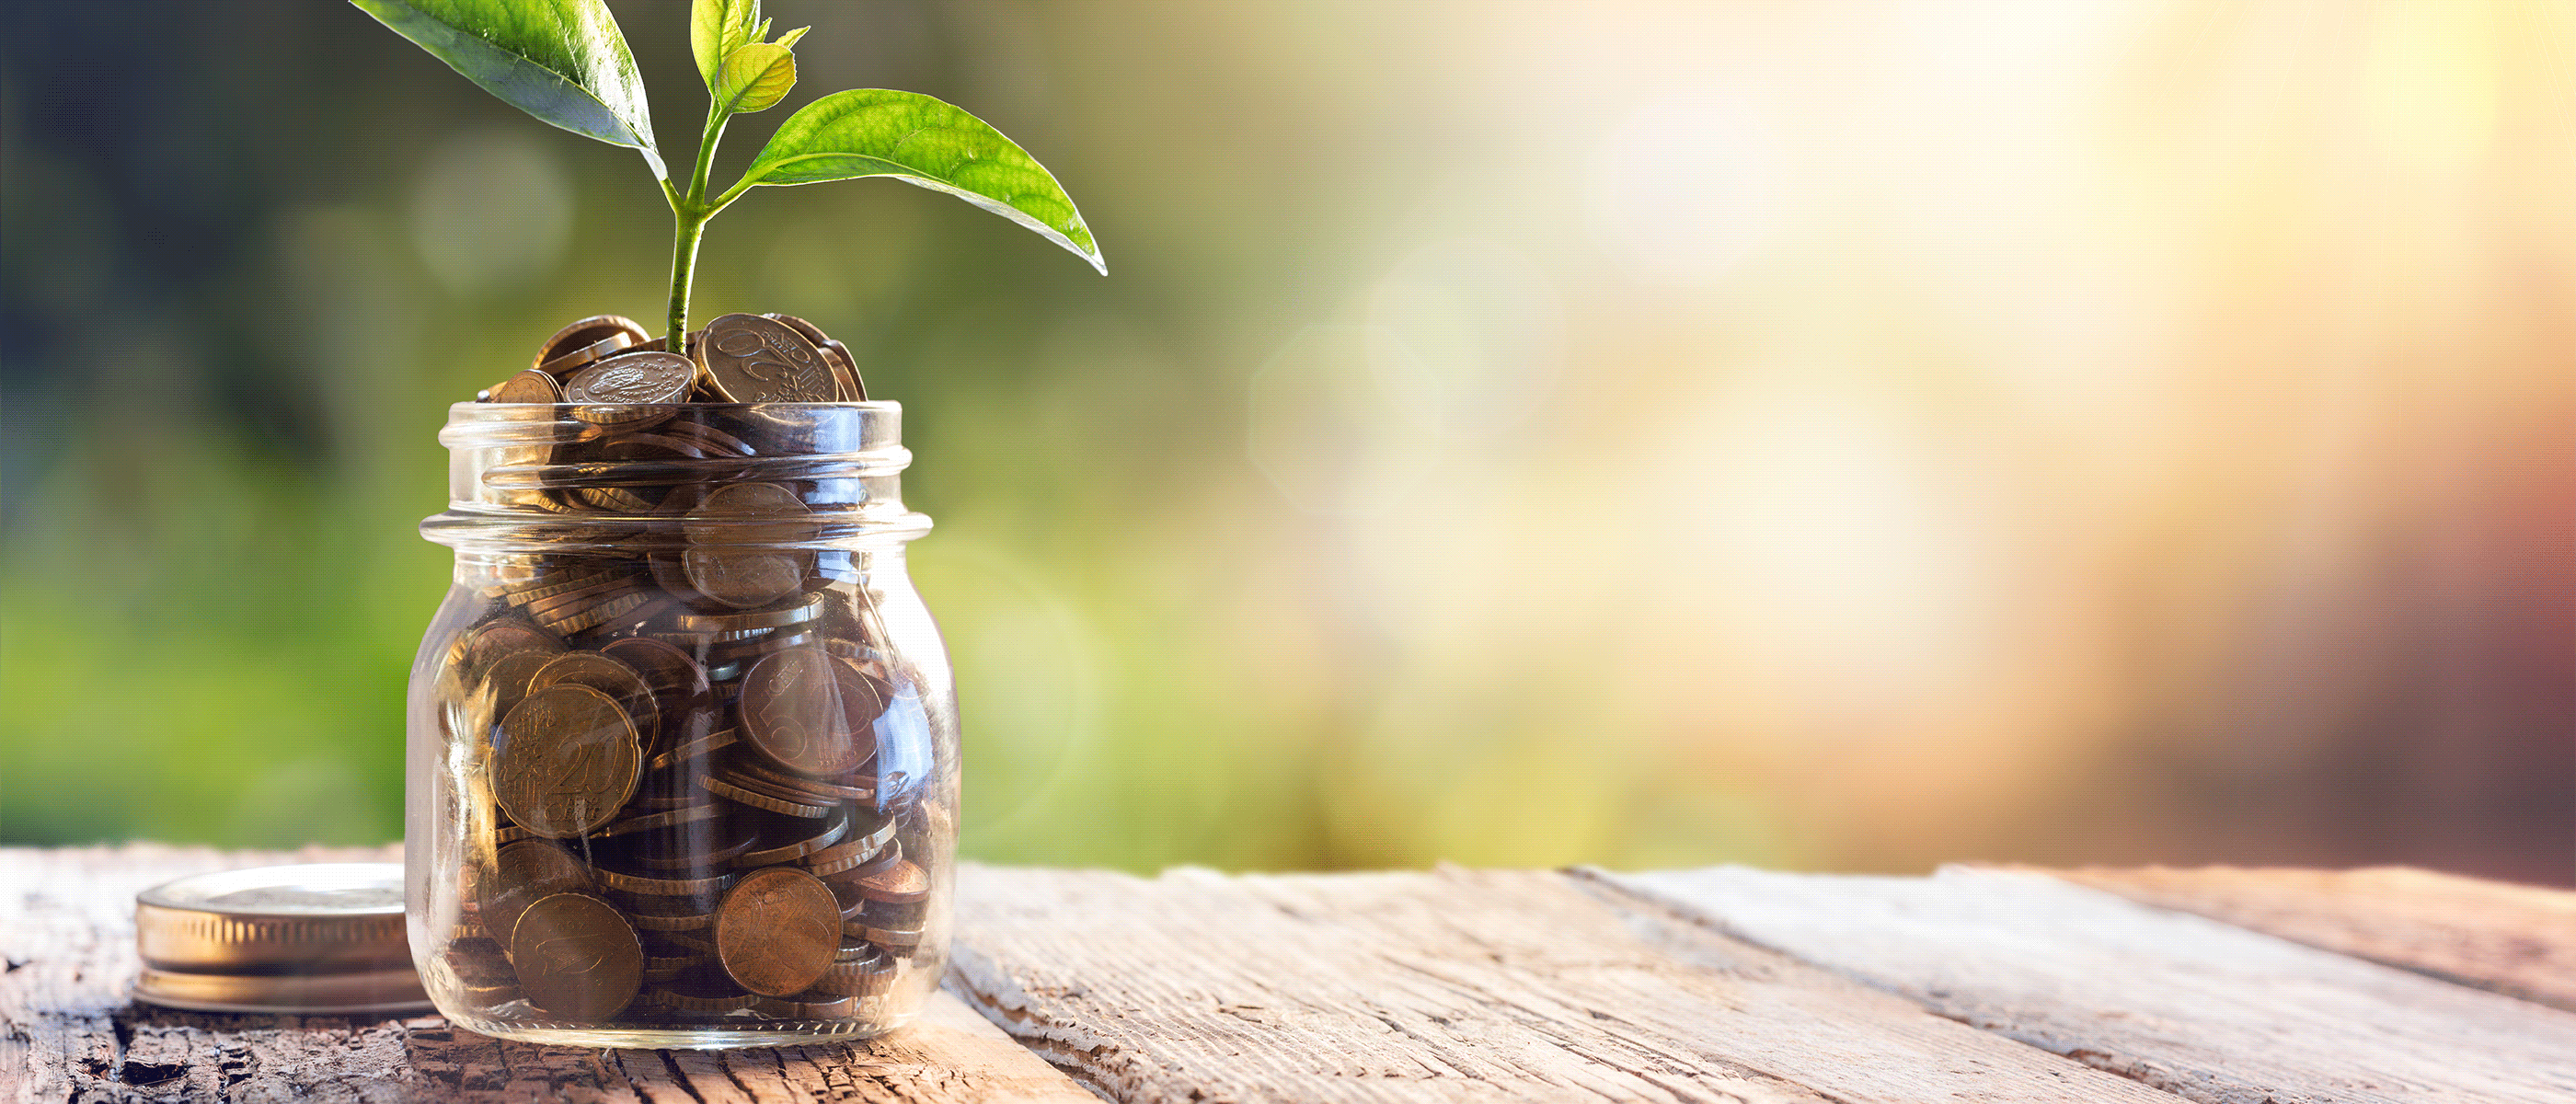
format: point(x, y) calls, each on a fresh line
point(682, 737)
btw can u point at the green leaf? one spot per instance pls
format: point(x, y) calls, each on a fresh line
point(789, 39)
point(718, 28)
point(563, 61)
point(920, 140)
point(755, 78)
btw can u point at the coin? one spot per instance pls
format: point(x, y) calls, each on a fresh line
point(597, 613)
point(664, 887)
point(902, 883)
point(696, 747)
point(777, 930)
point(576, 957)
point(681, 692)
point(588, 333)
point(709, 999)
point(794, 849)
point(566, 761)
point(602, 672)
point(794, 712)
point(816, 1005)
point(798, 786)
point(734, 536)
point(795, 611)
point(745, 796)
point(845, 371)
point(587, 355)
point(751, 359)
point(853, 853)
point(658, 378)
point(531, 386)
point(522, 873)
point(666, 819)
point(866, 975)
point(892, 940)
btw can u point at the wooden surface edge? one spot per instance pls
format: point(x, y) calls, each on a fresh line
point(2517, 940)
point(68, 1030)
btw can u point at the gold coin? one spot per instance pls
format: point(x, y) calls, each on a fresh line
point(777, 931)
point(577, 958)
point(588, 333)
point(602, 672)
point(734, 536)
point(864, 976)
point(531, 386)
point(751, 359)
point(574, 361)
point(650, 821)
point(706, 999)
point(566, 761)
point(592, 617)
point(664, 887)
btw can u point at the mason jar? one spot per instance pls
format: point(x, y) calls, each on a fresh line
point(682, 736)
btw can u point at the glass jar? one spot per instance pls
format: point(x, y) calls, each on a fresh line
point(682, 737)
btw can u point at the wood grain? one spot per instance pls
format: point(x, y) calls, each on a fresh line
point(2209, 1011)
point(67, 1030)
point(2515, 939)
point(1449, 985)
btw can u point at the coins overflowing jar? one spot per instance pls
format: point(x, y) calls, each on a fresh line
point(683, 740)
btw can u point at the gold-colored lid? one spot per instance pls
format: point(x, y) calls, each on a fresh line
point(319, 937)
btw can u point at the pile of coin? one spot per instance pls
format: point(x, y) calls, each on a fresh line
point(692, 761)
point(737, 358)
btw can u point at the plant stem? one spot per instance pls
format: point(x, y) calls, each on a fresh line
point(689, 221)
point(689, 215)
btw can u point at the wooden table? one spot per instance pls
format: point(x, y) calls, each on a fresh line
point(1727, 984)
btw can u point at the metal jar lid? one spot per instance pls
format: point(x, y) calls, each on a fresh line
point(308, 939)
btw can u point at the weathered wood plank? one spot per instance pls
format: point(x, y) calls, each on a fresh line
point(67, 1030)
point(1450, 985)
point(2515, 939)
point(2209, 1011)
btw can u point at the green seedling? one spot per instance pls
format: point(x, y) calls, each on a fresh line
point(566, 62)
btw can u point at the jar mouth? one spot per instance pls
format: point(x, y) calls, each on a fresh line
point(643, 477)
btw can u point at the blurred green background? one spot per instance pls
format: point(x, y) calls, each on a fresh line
point(1835, 435)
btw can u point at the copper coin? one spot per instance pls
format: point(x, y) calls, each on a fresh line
point(794, 712)
point(751, 359)
point(675, 922)
point(863, 976)
point(777, 930)
point(522, 873)
point(814, 841)
point(602, 672)
point(734, 534)
point(587, 333)
point(676, 851)
point(892, 940)
point(531, 386)
point(595, 613)
point(576, 957)
point(566, 761)
point(902, 883)
point(476, 648)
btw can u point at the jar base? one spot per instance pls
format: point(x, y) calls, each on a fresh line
point(705, 1035)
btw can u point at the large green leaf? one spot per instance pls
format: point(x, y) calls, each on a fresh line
point(718, 28)
point(914, 138)
point(563, 61)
